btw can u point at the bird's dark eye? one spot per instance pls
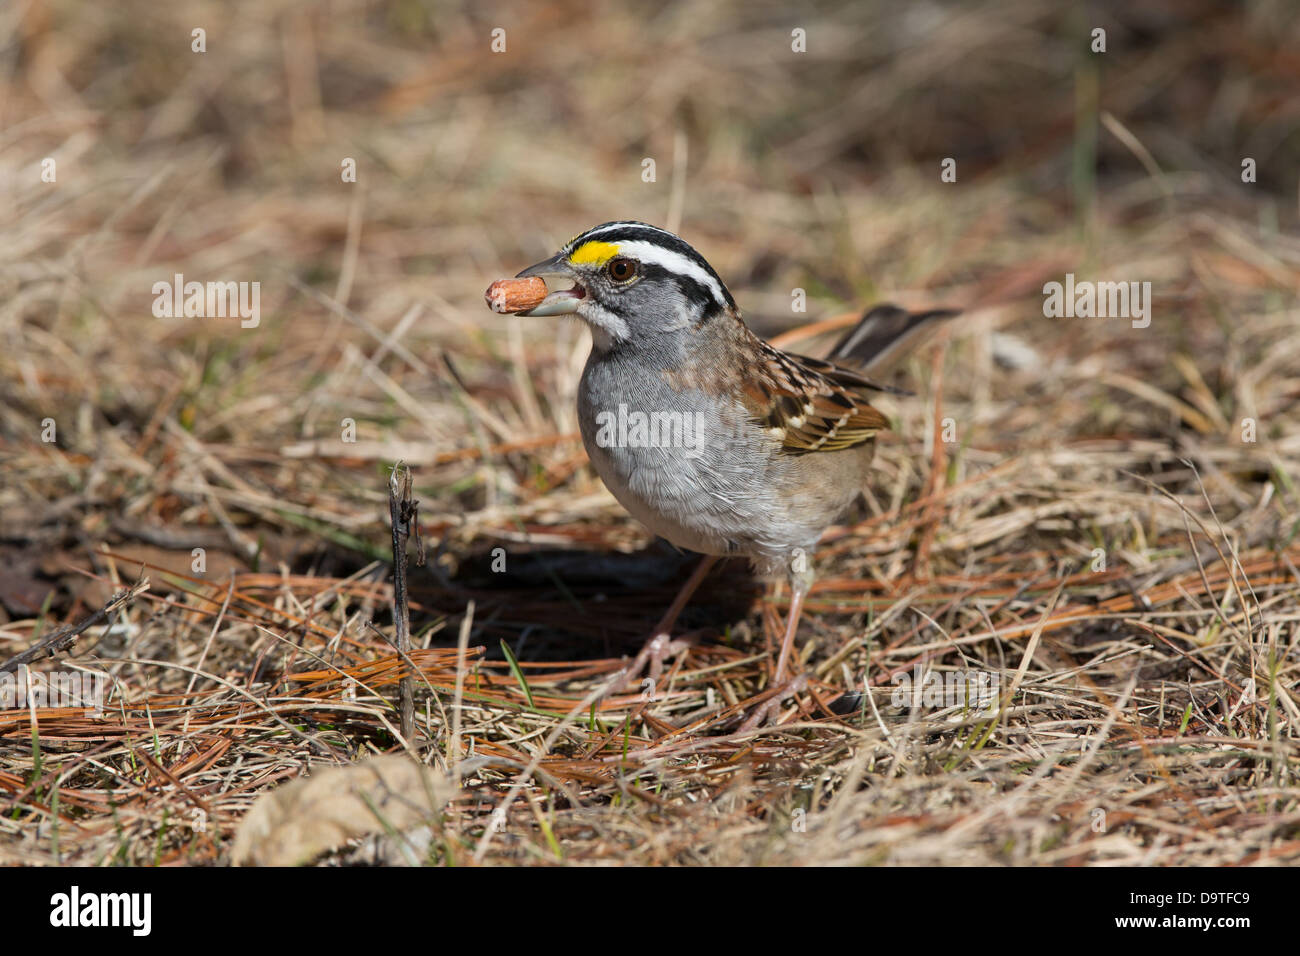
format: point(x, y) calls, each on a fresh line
point(621, 269)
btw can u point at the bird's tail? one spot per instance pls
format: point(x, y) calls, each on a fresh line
point(884, 334)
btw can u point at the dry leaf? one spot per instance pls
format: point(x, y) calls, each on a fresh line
point(299, 821)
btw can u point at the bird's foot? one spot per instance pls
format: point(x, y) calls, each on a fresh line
point(765, 714)
point(659, 648)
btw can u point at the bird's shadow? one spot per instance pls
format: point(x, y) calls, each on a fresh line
point(552, 604)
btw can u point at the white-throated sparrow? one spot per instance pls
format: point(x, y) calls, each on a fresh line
point(708, 435)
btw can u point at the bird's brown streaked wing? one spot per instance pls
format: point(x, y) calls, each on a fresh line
point(811, 405)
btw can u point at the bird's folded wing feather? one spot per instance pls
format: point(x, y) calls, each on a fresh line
point(811, 405)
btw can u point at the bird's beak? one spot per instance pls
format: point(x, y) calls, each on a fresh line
point(563, 301)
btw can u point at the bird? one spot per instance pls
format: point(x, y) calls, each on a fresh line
point(710, 436)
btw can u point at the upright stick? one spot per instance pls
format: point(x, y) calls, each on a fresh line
point(402, 510)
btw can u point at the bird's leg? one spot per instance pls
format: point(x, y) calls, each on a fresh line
point(797, 595)
point(801, 578)
point(800, 574)
point(661, 646)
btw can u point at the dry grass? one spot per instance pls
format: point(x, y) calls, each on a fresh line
point(1149, 708)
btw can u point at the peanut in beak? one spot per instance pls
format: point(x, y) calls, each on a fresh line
point(515, 295)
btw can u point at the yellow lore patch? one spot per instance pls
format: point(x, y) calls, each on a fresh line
point(593, 253)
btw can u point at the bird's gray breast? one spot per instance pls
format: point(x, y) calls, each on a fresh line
point(688, 465)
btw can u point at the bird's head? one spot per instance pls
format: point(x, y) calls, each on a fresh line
point(632, 284)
